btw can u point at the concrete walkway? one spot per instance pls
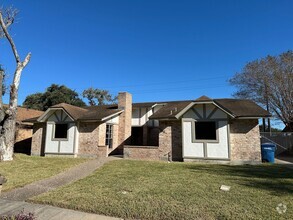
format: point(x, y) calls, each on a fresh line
point(45, 185)
point(45, 212)
point(285, 160)
point(12, 202)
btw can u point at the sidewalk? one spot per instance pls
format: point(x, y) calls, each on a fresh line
point(45, 185)
point(45, 212)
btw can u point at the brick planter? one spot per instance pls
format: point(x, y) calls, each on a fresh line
point(141, 152)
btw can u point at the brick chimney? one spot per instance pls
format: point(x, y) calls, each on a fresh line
point(124, 103)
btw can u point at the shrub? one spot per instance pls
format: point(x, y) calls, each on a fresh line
point(20, 216)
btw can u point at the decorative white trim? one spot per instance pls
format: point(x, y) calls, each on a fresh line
point(43, 118)
point(182, 112)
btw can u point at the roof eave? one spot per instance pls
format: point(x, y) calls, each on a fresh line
point(30, 120)
point(253, 117)
point(88, 120)
point(165, 119)
point(100, 119)
point(112, 115)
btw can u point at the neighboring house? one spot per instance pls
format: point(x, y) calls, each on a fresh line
point(201, 129)
point(24, 130)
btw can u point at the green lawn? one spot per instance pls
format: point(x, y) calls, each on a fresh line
point(26, 169)
point(158, 190)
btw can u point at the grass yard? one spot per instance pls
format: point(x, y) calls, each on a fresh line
point(26, 169)
point(157, 190)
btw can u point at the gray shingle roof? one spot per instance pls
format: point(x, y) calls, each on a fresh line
point(170, 110)
point(84, 113)
point(242, 108)
point(99, 112)
point(236, 107)
point(74, 111)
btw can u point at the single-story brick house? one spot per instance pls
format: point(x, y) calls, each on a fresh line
point(201, 129)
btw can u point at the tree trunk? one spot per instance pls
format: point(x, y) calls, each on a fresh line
point(7, 138)
point(8, 116)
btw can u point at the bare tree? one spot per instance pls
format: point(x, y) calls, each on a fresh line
point(8, 115)
point(269, 81)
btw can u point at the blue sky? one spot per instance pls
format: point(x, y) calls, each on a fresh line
point(156, 50)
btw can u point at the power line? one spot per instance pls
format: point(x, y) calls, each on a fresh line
point(178, 89)
point(170, 89)
point(164, 83)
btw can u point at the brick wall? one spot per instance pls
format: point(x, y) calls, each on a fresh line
point(102, 134)
point(124, 103)
point(88, 139)
point(38, 139)
point(141, 152)
point(170, 144)
point(170, 140)
point(102, 151)
point(245, 140)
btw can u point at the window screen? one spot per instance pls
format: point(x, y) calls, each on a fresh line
point(205, 131)
point(60, 131)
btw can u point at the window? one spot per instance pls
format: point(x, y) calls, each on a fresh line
point(205, 130)
point(109, 135)
point(60, 131)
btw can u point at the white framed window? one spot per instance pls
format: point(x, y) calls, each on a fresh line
point(60, 131)
point(205, 131)
point(109, 135)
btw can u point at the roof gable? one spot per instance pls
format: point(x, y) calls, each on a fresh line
point(59, 115)
point(235, 108)
point(209, 111)
point(89, 113)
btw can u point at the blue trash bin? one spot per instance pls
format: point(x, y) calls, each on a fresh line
point(268, 152)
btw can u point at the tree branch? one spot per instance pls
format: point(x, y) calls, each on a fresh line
point(9, 38)
point(26, 59)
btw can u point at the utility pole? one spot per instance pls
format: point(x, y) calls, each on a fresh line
point(268, 107)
